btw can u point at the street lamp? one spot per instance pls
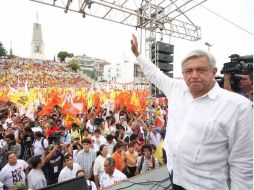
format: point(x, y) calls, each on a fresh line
point(208, 46)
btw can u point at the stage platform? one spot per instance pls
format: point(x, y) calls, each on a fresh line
point(157, 179)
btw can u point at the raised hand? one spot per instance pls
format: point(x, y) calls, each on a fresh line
point(134, 45)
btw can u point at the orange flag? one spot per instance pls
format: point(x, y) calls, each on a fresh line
point(46, 110)
point(68, 109)
point(159, 121)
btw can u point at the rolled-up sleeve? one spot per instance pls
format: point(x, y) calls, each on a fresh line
point(241, 150)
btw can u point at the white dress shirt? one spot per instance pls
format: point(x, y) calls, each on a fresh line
point(66, 173)
point(208, 139)
point(106, 180)
point(154, 138)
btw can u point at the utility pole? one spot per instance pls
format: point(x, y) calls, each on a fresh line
point(208, 46)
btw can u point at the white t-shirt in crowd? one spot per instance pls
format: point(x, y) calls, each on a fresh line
point(36, 179)
point(38, 148)
point(106, 180)
point(66, 173)
point(99, 141)
point(111, 146)
point(10, 175)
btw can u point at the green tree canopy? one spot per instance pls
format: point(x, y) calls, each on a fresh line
point(63, 54)
point(89, 73)
point(74, 65)
point(3, 51)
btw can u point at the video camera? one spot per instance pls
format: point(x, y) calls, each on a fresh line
point(242, 65)
point(238, 65)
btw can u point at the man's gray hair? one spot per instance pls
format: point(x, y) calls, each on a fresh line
point(200, 53)
point(111, 161)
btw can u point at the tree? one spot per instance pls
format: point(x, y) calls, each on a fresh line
point(3, 51)
point(63, 54)
point(74, 65)
point(89, 73)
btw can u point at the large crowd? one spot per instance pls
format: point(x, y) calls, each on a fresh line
point(46, 151)
point(43, 74)
point(106, 145)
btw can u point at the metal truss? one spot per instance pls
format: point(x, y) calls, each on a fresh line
point(168, 17)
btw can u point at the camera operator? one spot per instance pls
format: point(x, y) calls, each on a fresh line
point(238, 75)
point(243, 85)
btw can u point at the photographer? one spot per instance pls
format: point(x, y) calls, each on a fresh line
point(53, 164)
point(243, 84)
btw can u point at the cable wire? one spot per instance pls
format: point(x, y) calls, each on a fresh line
point(225, 19)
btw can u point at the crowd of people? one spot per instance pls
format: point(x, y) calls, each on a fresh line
point(105, 147)
point(43, 74)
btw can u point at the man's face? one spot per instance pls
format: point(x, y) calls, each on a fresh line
point(97, 135)
point(122, 132)
point(153, 129)
point(108, 169)
point(131, 149)
point(198, 75)
point(12, 159)
point(86, 146)
point(10, 130)
point(69, 162)
point(147, 152)
point(8, 140)
point(245, 82)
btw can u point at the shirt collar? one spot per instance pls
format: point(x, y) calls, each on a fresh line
point(214, 91)
point(114, 174)
point(211, 94)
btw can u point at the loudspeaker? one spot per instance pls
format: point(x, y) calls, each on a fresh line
point(163, 58)
point(79, 183)
point(165, 67)
point(169, 74)
point(162, 47)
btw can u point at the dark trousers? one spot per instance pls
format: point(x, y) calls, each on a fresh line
point(174, 186)
point(132, 171)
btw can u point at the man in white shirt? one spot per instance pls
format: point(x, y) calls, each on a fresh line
point(14, 171)
point(65, 137)
point(40, 144)
point(98, 138)
point(36, 178)
point(70, 169)
point(153, 136)
point(111, 174)
point(209, 135)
